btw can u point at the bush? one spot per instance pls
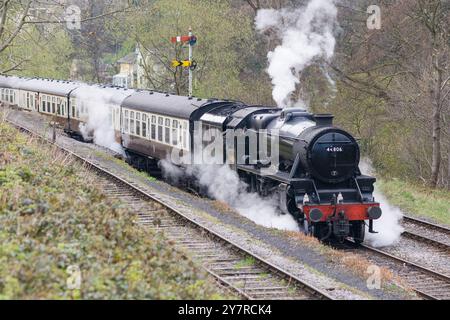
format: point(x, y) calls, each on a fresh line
point(54, 222)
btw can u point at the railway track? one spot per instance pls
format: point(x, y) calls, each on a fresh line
point(430, 233)
point(234, 267)
point(425, 282)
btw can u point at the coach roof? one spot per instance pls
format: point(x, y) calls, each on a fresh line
point(102, 93)
point(10, 81)
point(163, 104)
point(53, 87)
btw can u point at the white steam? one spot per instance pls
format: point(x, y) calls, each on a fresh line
point(388, 226)
point(223, 184)
point(306, 34)
point(97, 103)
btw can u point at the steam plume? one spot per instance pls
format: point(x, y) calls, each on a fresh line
point(306, 35)
point(97, 101)
point(223, 184)
point(388, 225)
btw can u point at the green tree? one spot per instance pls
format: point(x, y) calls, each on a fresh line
point(226, 45)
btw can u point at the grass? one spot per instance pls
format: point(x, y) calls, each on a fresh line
point(247, 262)
point(56, 226)
point(222, 207)
point(121, 162)
point(418, 200)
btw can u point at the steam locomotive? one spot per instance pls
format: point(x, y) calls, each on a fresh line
point(316, 176)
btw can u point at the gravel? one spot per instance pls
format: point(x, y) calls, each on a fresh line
point(422, 254)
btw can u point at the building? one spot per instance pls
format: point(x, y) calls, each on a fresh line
point(131, 71)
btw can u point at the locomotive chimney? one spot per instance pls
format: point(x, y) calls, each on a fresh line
point(324, 119)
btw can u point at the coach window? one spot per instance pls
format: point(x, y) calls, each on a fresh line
point(180, 135)
point(49, 104)
point(54, 105)
point(185, 135)
point(132, 131)
point(77, 109)
point(167, 131)
point(174, 132)
point(118, 119)
point(44, 99)
point(58, 106)
point(144, 125)
point(160, 128)
point(153, 128)
point(125, 120)
point(138, 123)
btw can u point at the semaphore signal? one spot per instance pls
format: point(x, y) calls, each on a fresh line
point(190, 63)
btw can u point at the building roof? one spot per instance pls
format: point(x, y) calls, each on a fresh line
point(128, 59)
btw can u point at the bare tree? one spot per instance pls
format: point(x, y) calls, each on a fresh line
point(17, 16)
point(405, 65)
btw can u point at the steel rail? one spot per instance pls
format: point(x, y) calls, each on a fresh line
point(419, 285)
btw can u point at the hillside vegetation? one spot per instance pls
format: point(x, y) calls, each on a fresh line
point(418, 200)
point(54, 222)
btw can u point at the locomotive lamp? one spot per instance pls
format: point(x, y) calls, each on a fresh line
point(306, 199)
point(316, 215)
point(374, 213)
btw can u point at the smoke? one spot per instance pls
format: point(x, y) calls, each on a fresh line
point(97, 104)
point(388, 225)
point(223, 184)
point(306, 36)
